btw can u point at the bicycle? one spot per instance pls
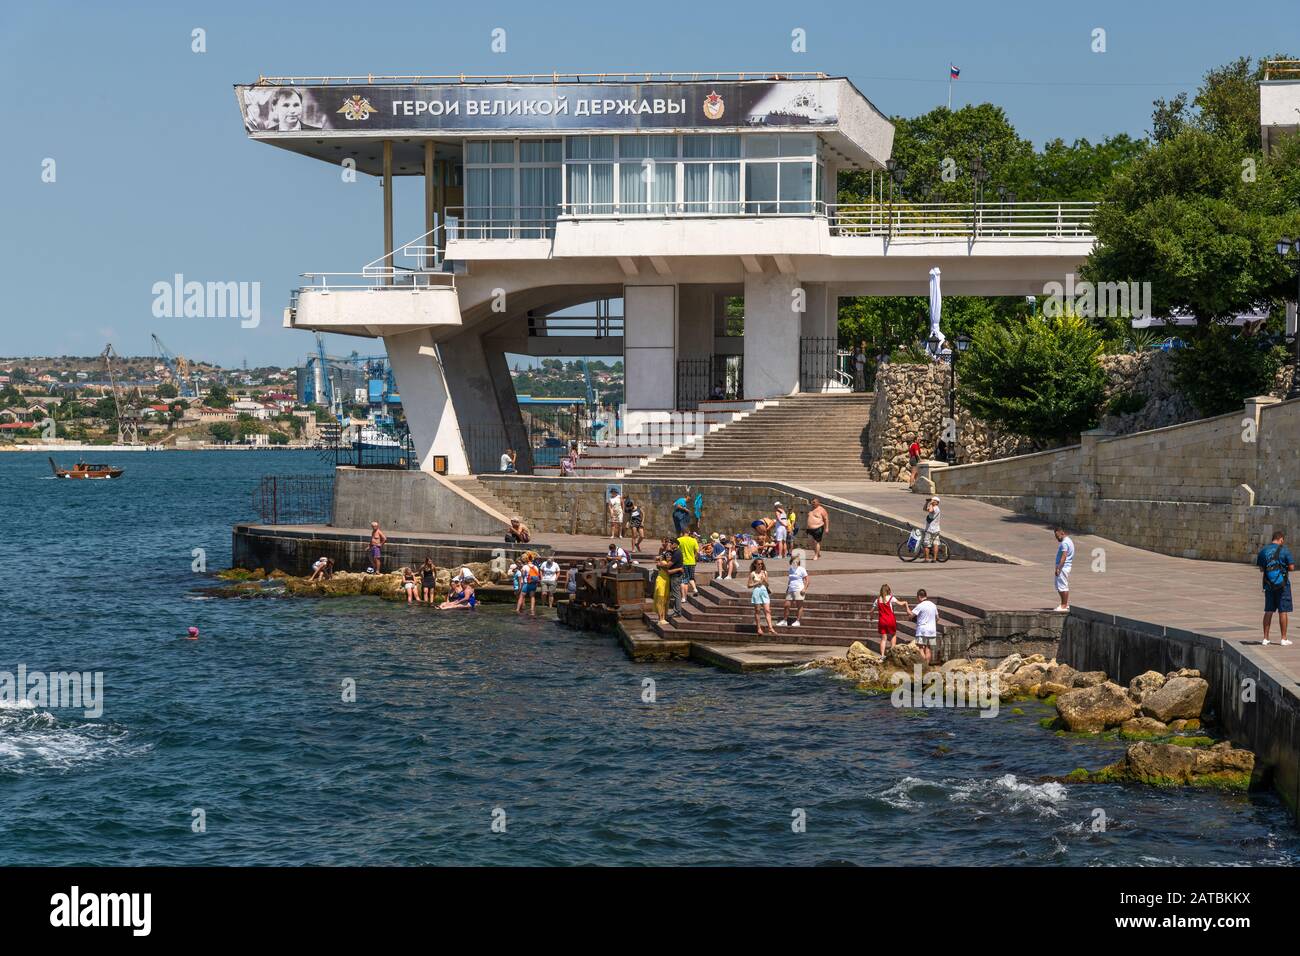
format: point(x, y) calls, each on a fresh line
point(910, 549)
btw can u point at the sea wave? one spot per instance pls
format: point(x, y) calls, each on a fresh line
point(36, 741)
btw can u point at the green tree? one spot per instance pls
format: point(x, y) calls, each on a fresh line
point(167, 390)
point(222, 431)
point(219, 397)
point(10, 396)
point(1040, 378)
point(1222, 368)
point(1187, 218)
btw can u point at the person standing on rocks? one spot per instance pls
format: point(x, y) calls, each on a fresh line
point(1276, 563)
point(377, 541)
point(1064, 561)
point(819, 523)
point(882, 608)
point(926, 615)
point(428, 580)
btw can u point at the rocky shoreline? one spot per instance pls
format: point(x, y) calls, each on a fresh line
point(239, 582)
point(1161, 713)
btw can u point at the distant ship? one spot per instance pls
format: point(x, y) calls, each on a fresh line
point(373, 438)
point(84, 472)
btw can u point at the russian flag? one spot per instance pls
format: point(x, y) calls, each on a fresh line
point(953, 72)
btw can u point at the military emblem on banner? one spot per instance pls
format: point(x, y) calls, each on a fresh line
point(713, 106)
point(357, 108)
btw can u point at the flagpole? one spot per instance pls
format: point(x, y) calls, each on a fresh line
point(950, 90)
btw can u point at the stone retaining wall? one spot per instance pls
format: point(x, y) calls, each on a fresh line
point(1214, 488)
point(577, 506)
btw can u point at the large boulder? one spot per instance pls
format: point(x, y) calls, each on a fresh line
point(1179, 698)
point(859, 653)
point(1093, 709)
point(1024, 678)
point(1009, 664)
point(1049, 688)
point(1157, 763)
point(903, 656)
point(1141, 728)
point(1223, 758)
point(1089, 678)
point(1061, 674)
point(1145, 683)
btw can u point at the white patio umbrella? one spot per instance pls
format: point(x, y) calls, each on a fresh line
point(936, 309)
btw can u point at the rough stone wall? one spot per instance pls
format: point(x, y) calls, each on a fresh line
point(1203, 489)
point(913, 400)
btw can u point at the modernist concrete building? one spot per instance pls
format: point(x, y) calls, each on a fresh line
point(673, 192)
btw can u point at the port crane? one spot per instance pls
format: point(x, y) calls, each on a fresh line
point(128, 418)
point(178, 367)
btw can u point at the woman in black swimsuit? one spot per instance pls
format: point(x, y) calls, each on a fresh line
point(633, 512)
point(428, 579)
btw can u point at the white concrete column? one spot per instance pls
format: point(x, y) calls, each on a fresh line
point(426, 400)
point(819, 319)
point(772, 327)
point(649, 349)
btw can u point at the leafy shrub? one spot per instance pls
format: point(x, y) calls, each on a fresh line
point(1040, 379)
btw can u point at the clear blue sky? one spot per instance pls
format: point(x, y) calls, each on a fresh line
point(155, 175)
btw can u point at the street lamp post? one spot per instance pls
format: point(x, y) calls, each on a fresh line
point(1285, 247)
point(897, 174)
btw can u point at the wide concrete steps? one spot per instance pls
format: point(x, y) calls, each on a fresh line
point(722, 613)
point(798, 437)
point(480, 491)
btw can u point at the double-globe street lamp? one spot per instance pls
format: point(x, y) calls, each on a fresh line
point(1285, 249)
point(963, 343)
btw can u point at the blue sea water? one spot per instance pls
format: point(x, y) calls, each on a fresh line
point(462, 719)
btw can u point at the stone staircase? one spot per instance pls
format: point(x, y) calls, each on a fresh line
point(482, 491)
point(797, 438)
point(722, 614)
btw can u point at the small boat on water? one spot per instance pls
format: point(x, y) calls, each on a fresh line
point(86, 472)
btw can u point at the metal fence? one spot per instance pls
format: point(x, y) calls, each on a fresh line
point(485, 444)
point(369, 448)
point(698, 378)
point(820, 363)
point(294, 499)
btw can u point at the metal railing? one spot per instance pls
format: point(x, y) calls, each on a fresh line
point(382, 275)
point(501, 222)
point(294, 499)
point(700, 379)
point(997, 220)
point(590, 326)
point(701, 209)
point(822, 364)
point(630, 76)
point(1282, 69)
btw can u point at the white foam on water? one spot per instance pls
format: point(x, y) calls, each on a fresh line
point(17, 705)
point(1008, 792)
point(900, 794)
point(36, 741)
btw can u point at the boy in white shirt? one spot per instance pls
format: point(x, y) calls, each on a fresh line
point(795, 590)
point(926, 615)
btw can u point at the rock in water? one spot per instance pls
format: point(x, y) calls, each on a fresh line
point(1169, 765)
point(1179, 698)
point(1141, 727)
point(905, 656)
point(1157, 763)
point(1093, 709)
point(858, 653)
point(1144, 684)
point(1089, 678)
point(1061, 674)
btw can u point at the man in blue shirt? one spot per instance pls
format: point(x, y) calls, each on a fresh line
point(1276, 564)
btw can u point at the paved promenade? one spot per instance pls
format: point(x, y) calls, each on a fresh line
point(1211, 597)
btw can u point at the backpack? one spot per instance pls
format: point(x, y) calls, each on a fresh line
point(1275, 572)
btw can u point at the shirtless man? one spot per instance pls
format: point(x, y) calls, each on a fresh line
point(377, 541)
point(819, 522)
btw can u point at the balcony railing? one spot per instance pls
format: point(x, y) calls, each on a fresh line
point(656, 76)
point(996, 220)
point(971, 221)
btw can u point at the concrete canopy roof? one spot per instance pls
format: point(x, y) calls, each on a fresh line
point(856, 134)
